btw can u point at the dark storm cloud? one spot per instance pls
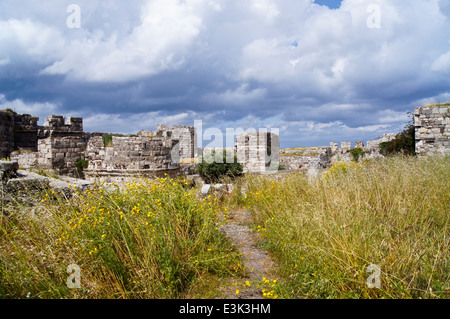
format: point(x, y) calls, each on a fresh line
point(315, 73)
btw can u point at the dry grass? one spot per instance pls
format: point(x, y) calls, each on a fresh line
point(152, 239)
point(325, 233)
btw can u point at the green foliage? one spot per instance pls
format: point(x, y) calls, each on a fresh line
point(213, 171)
point(438, 104)
point(148, 240)
point(11, 111)
point(357, 153)
point(81, 165)
point(404, 143)
point(108, 138)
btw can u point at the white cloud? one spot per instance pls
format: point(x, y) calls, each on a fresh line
point(325, 67)
point(160, 42)
point(267, 8)
point(335, 50)
point(5, 61)
point(120, 123)
point(41, 110)
point(33, 40)
point(240, 96)
point(391, 116)
point(442, 64)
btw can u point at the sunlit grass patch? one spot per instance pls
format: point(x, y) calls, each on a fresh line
point(325, 233)
point(147, 240)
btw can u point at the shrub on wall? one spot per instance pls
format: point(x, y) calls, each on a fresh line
point(404, 143)
point(81, 165)
point(107, 140)
point(357, 153)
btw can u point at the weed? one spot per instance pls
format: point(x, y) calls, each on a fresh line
point(324, 233)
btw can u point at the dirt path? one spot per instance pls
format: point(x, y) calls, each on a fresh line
point(258, 263)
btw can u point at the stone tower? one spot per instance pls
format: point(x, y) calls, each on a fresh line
point(258, 152)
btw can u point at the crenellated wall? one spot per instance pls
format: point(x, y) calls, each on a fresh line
point(135, 153)
point(129, 157)
point(147, 154)
point(61, 142)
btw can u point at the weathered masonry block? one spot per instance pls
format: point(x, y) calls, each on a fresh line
point(149, 154)
point(6, 133)
point(375, 145)
point(17, 131)
point(61, 153)
point(304, 158)
point(25, 132)
point(184, 138)
point(258, 152)
point(61, 143)
point(128, 157)
point(432, 126)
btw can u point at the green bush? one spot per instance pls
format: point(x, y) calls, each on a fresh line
point(212, 171)
point(81, 165)
point(404, 143)
point(357, 153)
point(107, 140)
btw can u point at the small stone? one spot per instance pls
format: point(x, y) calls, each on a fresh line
point(205, 189)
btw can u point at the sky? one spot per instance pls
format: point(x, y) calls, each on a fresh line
point(316, 71)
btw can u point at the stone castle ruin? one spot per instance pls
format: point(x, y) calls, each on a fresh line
point(305, 158)
point(432, 134)
point(432, 126)
point(258, 151)
point(147, 154)
point(61, 144)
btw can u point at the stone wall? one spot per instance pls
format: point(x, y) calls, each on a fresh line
point(218, 151)
point(305, 158)
point(58, 125)
point(432, 125)
point(61, 144)
point(187, 138)
point(141, 153)
point(26, 160)
point(149, 154)
point(17, 131)
point(375, 144)
point(130, 157)
point(371, 149)
point(258, 152)
point(25, 132)
point(184, 138)
point(61, 153)
point(6, 133)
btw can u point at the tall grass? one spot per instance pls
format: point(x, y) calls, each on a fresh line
point(325, 233)
point(148, 240)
